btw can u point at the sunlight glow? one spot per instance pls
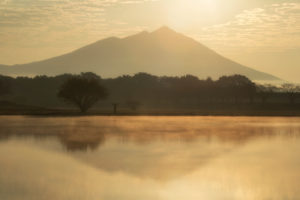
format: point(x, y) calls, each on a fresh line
point(188, 13)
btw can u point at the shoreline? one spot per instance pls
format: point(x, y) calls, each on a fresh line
point(173, 113)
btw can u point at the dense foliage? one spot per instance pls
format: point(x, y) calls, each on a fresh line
point(82, 91)
point(145, 90)
point(4, 87)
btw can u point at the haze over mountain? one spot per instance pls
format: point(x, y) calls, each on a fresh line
point(162, 52)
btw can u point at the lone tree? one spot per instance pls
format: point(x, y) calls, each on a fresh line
point(82, 91)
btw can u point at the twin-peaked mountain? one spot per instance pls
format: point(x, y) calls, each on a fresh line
point(162, 52)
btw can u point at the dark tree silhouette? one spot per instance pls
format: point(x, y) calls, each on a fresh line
point(264, 92)
point(115, 108)
point(292, 91)
point(237, 87)
point(4, 88)
point(133, 105)
point(152, 92)
point(82, 92)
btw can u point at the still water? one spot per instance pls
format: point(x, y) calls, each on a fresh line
point(149, 158)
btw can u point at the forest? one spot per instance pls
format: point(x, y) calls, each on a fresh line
point(144, 91)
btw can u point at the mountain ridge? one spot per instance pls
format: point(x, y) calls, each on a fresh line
point(161, 52)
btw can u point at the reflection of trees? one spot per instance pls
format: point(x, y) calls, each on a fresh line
point(169, 147)
point(74, 135)
point(82, 137)
point(90, 132)
point(164, 147)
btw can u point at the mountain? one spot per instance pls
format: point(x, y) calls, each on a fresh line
point(162, 52)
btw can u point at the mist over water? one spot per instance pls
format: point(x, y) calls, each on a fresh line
point(164, 158)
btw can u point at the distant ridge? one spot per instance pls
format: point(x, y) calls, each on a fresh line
point(162, 52)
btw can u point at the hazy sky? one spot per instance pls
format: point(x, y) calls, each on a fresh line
point(263, 34)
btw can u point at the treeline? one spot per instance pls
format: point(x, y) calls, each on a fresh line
point(145, 90)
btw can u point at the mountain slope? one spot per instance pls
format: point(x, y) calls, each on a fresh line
point(162, 52)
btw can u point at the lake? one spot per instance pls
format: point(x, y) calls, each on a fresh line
point(149, 158)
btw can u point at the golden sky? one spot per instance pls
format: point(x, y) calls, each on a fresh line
point(262, 34)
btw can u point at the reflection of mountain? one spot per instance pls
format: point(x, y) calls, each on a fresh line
point(162, 52)
point(153, 147)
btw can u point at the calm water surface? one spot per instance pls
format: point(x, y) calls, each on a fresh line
point(149, 158)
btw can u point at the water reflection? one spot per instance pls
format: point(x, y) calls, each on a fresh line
point(83, 133)
point(149, 158)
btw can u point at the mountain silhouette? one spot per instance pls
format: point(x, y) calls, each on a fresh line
point(162, 52)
